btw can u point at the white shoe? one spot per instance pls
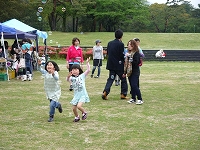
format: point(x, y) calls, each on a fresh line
point(131, 101)
point(24, 78)
point(29, 77)
point(139, 102)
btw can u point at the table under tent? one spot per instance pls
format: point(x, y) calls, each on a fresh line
point(7, 71)
point(16, 29)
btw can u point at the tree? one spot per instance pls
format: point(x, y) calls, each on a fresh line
point(12, 9)
point(113, 13)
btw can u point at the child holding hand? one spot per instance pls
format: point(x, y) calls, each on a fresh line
point(51, 86)
point(77, 78)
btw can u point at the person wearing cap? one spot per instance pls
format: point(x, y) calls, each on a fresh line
point(97, 58)
point(27, 51)
point(115, 65)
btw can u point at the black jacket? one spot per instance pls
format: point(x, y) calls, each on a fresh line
point(115, 52)
point(135, 64)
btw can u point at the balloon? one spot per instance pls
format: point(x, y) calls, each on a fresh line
point(40, 9)
point(44, 1)
point(39, 18)
point(38, 13)
point(63, 9)
point(50, 33)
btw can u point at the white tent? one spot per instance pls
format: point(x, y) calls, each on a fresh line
point(14, 23)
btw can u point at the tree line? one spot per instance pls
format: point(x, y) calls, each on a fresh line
point(175, 16)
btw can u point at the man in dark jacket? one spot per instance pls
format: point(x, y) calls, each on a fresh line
point(115, 65)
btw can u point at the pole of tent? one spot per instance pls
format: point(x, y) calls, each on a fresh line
point(5, 55)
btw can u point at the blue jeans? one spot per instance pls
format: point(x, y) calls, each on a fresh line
point(53, 106)
point(111, 78)
point(135, 91)
point(99, 70)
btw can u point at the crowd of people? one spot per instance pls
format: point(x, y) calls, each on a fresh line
point(121, 63)
point(21, 58)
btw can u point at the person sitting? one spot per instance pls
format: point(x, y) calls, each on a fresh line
point(160, 54)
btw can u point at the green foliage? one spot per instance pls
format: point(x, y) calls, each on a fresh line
point(105, 15)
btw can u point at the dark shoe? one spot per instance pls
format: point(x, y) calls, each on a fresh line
point(91, 76)
point(60, 108)
point(76, 119)
point(104, 96)
point(84, 116)
point(96, 77)
point(50, 118)
point(123, 96)
point(71, 88)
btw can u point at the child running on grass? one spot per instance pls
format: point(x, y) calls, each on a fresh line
point(51, 86)
point(77, 78)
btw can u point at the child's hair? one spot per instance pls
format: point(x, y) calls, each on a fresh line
point(136, 39)
point(54, 64)
point(77, 66)
point(74, 40)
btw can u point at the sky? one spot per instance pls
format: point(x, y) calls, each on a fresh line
point(193, 2)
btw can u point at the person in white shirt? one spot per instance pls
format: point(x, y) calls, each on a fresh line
point(97, 58)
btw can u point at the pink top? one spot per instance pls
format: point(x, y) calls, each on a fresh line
point(74, 55)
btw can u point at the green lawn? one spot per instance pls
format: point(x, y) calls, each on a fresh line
point(168, 119)
point(153, 41)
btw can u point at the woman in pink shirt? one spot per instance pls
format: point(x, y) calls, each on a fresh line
point(74, 55)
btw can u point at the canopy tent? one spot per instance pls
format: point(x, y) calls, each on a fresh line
point(14, 23)
point(19, 35)
point(6, 29)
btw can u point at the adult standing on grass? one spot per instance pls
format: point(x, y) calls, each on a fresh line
point(133, 100)
point(115, 65)
point(77, 78)
point(97, 58)
point(51, 86)
point(74, 56)
point(133, 57)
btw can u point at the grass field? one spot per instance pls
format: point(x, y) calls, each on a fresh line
point(151, 41)
point(169, 119)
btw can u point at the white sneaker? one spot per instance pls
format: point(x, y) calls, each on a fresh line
point(24, 78)
point(139, 102)
point(29, 77)
point(131, 101)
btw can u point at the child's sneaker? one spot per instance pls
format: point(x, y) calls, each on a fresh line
point(96, 77)
point(76, 119)
point(50, 118)
point(131, 101)
point(84, 116)
point(139, 102)
point(91, 76)
point(60, 108)
point(71, 88)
